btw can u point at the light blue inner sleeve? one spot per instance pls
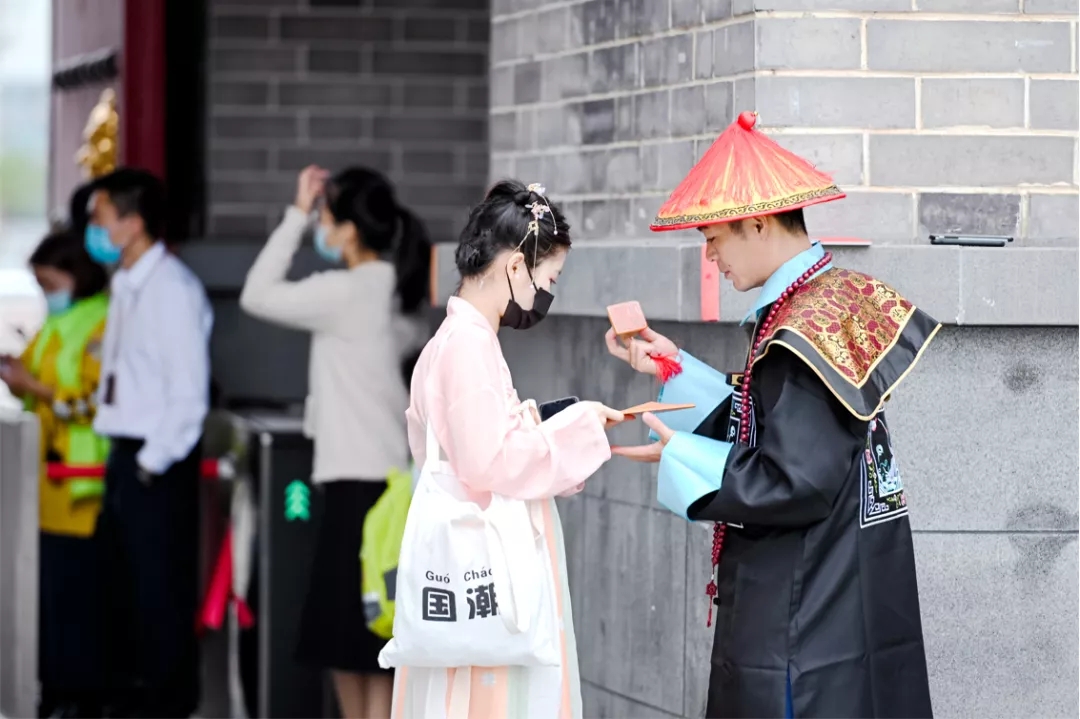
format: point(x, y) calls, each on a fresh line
point(783, 277)
point(690, 467)
point(698, 384)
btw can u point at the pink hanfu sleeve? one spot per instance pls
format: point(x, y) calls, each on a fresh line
point(494, 450)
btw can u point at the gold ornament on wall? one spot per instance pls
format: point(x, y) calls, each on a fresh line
point(97, 156)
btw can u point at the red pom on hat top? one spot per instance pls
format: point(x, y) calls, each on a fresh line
point(745, 173)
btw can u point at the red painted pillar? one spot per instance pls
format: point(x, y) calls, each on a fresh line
point(142, 120)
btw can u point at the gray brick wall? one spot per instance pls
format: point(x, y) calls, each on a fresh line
point(401, 86)
point(933, 114)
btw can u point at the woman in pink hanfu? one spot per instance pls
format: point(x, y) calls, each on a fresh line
point(510, 255)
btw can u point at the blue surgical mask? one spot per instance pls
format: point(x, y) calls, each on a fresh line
point(58, 302)
point(328, 253)
point(99, 245)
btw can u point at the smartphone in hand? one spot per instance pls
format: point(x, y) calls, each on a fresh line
point(550, 409)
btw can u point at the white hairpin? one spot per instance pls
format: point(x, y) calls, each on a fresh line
point(539, 209)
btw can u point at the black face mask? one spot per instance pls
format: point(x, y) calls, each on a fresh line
point(517, 318)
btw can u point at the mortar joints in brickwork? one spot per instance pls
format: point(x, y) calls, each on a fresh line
point(1027, 102)
point(851, 190)
point(1025, 213)
point(1076, 163)
point(619, 42)
point(816, 74)
point(962, 131)
point(1073, 40)
point(614, 94)
point(890, 74)
point(918, 104)
point(906, 16)
point(693, 52)
point(864, 51)
point(866, 160)
point(548, 6)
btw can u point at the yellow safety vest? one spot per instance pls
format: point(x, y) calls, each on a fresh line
point(56, 357)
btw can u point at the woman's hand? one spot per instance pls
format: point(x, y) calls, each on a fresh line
point(15, 375)
point(608, 417)
point(19, 380)
point(309, 185)
point(639, 352)
point(648, 452)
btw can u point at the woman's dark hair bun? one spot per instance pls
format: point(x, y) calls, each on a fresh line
point(499, 223)
point(365, 198)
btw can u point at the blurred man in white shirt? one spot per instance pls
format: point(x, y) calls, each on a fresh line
point(152, 402)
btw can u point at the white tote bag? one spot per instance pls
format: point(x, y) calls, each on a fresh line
point(474, 586)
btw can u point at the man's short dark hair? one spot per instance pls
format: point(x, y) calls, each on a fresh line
point(63, 250)
point(78, 208)
point(792, 221)
point(138, 192)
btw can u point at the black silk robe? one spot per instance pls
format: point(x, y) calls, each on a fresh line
point(818, 604)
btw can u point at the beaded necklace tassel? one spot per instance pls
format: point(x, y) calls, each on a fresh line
point(719, 528)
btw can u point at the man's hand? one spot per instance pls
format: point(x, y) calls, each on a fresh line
point(309, 186)
point(145, 476)
point(639, 352)
point(648, 452)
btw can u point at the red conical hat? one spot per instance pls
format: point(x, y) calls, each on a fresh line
point(744, 174)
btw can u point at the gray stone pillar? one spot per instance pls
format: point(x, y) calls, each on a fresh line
point(19, 453)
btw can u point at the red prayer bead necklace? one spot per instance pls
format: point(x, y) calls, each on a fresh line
point(744, 409)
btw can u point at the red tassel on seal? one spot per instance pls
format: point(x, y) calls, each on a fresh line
point(666, 368)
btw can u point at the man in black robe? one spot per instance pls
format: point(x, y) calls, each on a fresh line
point(813, 589)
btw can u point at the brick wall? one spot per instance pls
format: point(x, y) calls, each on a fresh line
point(398, 85)
point(935, 115)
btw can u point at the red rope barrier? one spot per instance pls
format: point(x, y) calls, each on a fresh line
point(211, 469)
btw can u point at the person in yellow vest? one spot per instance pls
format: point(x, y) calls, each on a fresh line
point(56, 377)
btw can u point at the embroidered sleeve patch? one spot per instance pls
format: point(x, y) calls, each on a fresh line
point(882, 487)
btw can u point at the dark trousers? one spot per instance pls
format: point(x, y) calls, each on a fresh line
point(150, 541)
point(70, 633)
